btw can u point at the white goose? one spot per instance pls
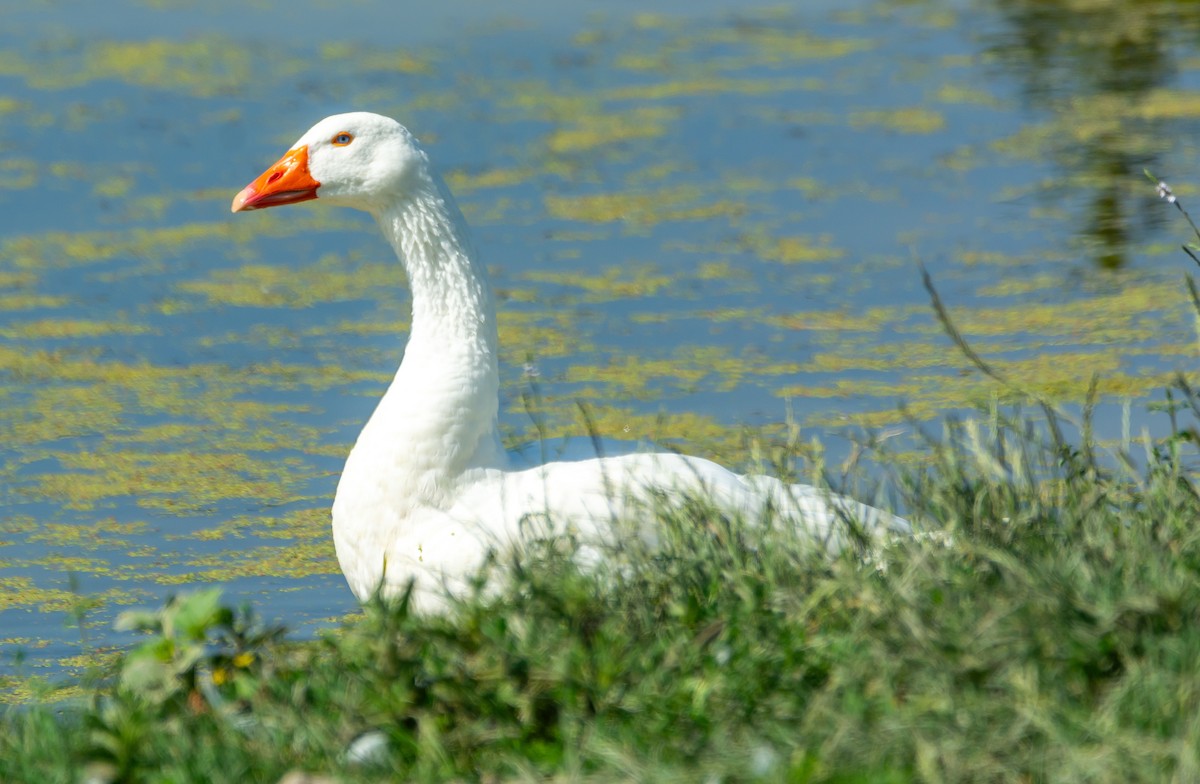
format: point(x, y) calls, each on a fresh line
point(428, 490)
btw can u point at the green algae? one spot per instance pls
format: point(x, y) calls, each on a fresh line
point(296, 524)
point(642, 378)
point(913, 119)
point(61, 412)
point(793, 250)
point(18, 173)
point(58, 249)
point(642, 208)
point(588, 133)
point(462, 182)
point(527, 334)
point(204, 67)
point(1014, 287)
point(332, 277)
point(108, 533)
point(623, 282)
point(706, 86)
point(59, 328)
point(351, 55)
point(298, 560)
point(959, 94)
point(700, 434)
point(16, 302)
point(179, 482)
point(22, 593)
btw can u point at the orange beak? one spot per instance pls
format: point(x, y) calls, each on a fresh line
point(287, 182)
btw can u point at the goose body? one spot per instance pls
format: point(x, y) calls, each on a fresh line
point(428, 489)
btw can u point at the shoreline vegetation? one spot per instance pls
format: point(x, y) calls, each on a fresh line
point(1043, 624)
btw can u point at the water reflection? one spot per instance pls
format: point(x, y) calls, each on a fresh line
point(1103, 72)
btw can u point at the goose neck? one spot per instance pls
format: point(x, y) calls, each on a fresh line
point(452, 309)
point(438, 417)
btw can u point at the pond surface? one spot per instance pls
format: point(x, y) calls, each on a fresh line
point(699, 220)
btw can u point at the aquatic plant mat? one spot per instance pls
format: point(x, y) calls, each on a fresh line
point(1043, 625)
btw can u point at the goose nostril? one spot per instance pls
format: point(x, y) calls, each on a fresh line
point(274, 177)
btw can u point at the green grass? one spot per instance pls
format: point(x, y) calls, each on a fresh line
point(1043, 626)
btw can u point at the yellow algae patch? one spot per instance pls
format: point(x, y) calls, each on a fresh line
point(28, 691)
point(705, 85)
point(71, 328)
point(1168, 104)
point(871, 320)
point(642, 61)
point(65, 249)
point(631, 377)
point(703, 434)
point(465, 182)
point(1059, 376)
point(763, 38)
point(720, 369)
point(538, 101)
point(114, 187)
point(244, 430)
point(613, 283)
point(1018, 285)
point(59, 561)
point(106, 533)
point(793, 250)
point(777, 44)
point(331, 278)
point(1136, 313)
point(392, 60)
point(1099, 119)
point(31, 301)
point(20, 592)
point(809, 186)
point(62, 411)
point(609, 128)
point(523, 335)
point(170, 481)
point(717, 270)
point(110, 180)
point(1031, 141)
point(17, 524)
point(893, 357)
point(963, 94)
point(204, 67)
point(915, 119)
point(679, 203)
point(974, 258)
point(297, 524)
point(297, 559)
point(18, 173)
point(963, 158)
point(657, 172)
point(11, 280)
point(708, 315)
point(649, 21)
point(11, 105)
point(1067, 374)
point(280, 376)
point(729, 369)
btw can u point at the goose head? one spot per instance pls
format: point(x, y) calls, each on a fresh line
point(360, 160)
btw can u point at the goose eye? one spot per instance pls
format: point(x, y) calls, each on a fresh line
point(342, 138)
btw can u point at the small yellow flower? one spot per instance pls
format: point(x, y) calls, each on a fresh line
point(243, 659)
